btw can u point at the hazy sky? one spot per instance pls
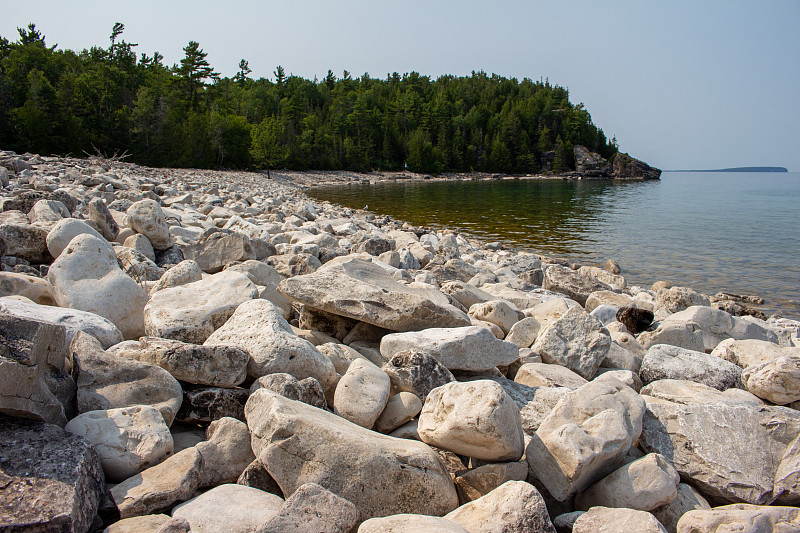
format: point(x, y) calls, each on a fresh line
point(681, 84)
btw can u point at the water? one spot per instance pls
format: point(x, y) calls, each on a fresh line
point(738, 232)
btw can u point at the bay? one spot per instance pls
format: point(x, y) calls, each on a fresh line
point(720, 231)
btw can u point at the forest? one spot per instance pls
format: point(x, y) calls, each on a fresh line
point(112, 100)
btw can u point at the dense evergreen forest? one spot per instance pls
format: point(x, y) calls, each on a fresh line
point(111, 100)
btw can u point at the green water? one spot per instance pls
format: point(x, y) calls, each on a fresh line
point(738, 232)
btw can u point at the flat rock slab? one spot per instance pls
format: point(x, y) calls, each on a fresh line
point(230, 508)
point(192, 312)
point(381, 475)
point(663, 361)
point(729, 452)
point(463, 348)
point(50, 480)
point(364, 291)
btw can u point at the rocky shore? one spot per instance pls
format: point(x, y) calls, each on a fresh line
point(186, 350)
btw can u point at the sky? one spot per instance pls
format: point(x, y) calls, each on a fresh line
point(683, 84)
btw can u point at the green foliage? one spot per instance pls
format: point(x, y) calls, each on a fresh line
point(54, 101)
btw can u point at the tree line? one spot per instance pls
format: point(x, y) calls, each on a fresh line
point(111, 100)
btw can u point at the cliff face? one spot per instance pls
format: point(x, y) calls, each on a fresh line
point(627, 168)
point(591, 164)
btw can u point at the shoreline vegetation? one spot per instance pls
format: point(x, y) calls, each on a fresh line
point(108, 100)
point(203, 348)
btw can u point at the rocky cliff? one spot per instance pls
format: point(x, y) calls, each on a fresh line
point(627, 168)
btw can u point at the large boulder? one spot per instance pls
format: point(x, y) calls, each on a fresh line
point(364, 291)
point(64, 231)
point(381, 475)
point(218, 249)
point(192, 312)
point(220, 366)
point(577, 341)
point(362, 393)
point(146, 217)
point(691, 392)
point(258, 328)
point(127, 440)
point(717, 325)
point(737, 453)
point(663, 361)
point(477, 419)
point(312, 508)
point(741, 518)
point(513, 506)
point(416, 372)
point(87, 277)
point(401, 523)
point(34, 368)
point(102, 217)
point(34, 288)
point(590, 164)
point(463, 348)
point(614, 520)
point(585, 437)
point(52, 480)
point(25, 241)
point(109, 382)
point(571, 283)
point(71, 319)
point(687, 499)
point(231, 508)
point(777, 381)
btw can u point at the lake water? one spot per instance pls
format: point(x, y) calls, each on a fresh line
point(738, 232)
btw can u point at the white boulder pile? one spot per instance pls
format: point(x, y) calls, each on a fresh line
point(186, 350)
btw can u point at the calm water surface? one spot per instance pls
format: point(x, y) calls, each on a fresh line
point(738, 232)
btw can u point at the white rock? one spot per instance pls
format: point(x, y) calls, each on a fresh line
point(362, 393)
point(86, 277)
point(524, 332)
point(748, 352)
point(401, 408)
point(717, 325)
point(64, 231)
point(192, 312)
point(477, 419)
point(687, 499)
point(616, 520)
point(544, 375)
point(231, 508)
point(741, 518)
point(464, 348)
point(777, 381)
point(686, 335)
point(146, 217)
point(663, 361)
point(497, 312)
point(186, 271)
point(312, 508)
point(404, 523)
point(128, 439)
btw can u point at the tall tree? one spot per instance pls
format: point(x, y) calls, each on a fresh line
point(244, 70)
point(195, 69)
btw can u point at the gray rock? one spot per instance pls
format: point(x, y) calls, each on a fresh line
point(206, 404)
point(47, 213)
point(364, 291)
point(306, 390)
point(220, 366)
point(729, 452)
point(362, 393)
point(26, 242)
point(612, 520)
point(464, 348)
point(381, 475)
point(674, 299)
point(416, 372)
point(742, 518)
point(187, 271)
point(137, 265)
point(686, 335)
point(51, 480)
point(230, 508)
point(585, 437)
point(544, 375)
point(410, 522)
point(100, 215)
point(687, 499)
point(717, 325)
point(477, 482)
point(312, 508)
point(146, 217)
point(663, 361)
point(777, 381)
point(691, 392)
point(218, 249)
point(571, 283)
point(577, 341)
point(64, 231)
point(141, 244)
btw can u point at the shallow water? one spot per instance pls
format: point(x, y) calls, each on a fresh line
point(738, 232)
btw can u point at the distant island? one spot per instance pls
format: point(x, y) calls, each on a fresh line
point(738, 169)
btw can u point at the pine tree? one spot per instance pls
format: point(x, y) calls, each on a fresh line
point(244, 70)
point(195, 69)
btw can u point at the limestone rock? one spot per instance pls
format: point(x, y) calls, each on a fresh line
point(741, 518)
point(626, 167)
point(401, 408)
point(364, 291)
point(127, 440)
point(607, 297)
point(51, 479)
point(340, 355)
point(73, 320)
point(147, 218)
point(34, 363)
point(36, 289)
point(218, 249)
point(570, 283)
point(312, 508)
point(86, 277)
point(306, 390)
point(663, 361)
point(480, 481)
point(691, 392)
point(544, 375)
point(362, 393)
point(465, 294)
point(230, 508)
point(777, 381)
point(675, 333)
point(687, 499)
point(524, 332)
point(674, 299)
point(729, 452)
point(496, 312)
point(141, 244)
point(585, 437)
point(150, 523)
point(644, 484)
point(748, 352)
point(226, 452)
point(416, 372)
point(192, 312)
point(464, 348)
point(64, 231)
point(25, 241)
point(614, 520)
point(615, 281)
point(717, 325)
point(577, 341)
point(258, 328)
point(477, 419)
point(108, 382)
point(185, 272)
point(400, 523)
point(513, 506)
point(381, 475)
point(137, 265)
point(220, 366)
